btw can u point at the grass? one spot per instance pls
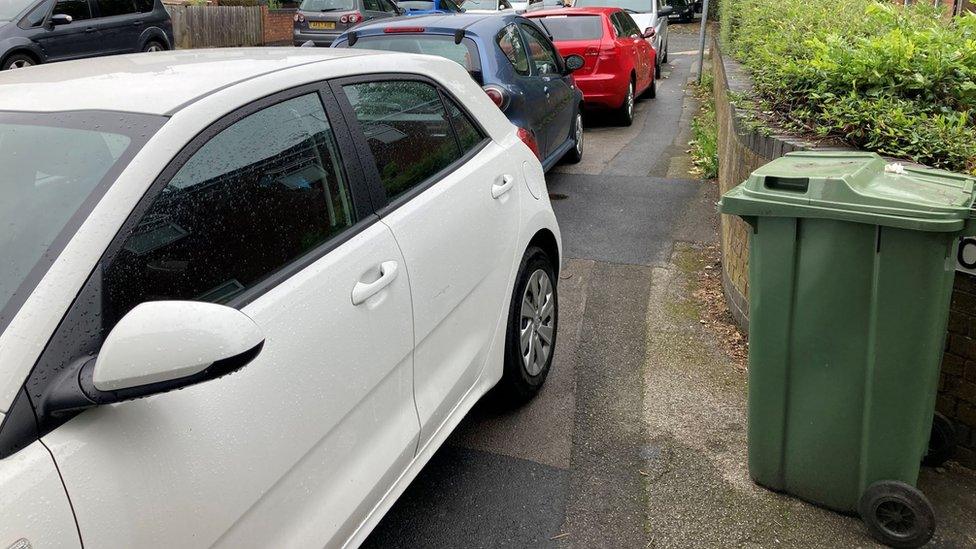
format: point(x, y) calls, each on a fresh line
point(704, 130)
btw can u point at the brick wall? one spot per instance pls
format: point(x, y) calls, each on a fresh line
point(278, 26)
point(742, 150)
point(957, 384)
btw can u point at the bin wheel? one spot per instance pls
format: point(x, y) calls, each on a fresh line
point(942, 441)
point(897, 514)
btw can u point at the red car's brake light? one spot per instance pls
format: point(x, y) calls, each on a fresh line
point(528, 138)
point(394, 30)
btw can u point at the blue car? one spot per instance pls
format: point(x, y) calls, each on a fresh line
point(511, 57)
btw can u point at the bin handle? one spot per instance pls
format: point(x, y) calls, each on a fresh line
point(789, 184)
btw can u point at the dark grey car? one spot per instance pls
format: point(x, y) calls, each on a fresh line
point(322, 21)
point(41, 31)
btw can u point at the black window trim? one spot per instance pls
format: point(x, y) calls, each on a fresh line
point(383, 205)
point(351, 170)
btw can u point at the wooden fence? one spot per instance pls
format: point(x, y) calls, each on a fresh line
point(217, 26)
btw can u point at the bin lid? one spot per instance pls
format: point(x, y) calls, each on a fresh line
point(855, 186)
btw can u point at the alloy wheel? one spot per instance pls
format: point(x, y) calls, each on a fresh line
point(154, 47)
point(21, 64)
point(536, 322)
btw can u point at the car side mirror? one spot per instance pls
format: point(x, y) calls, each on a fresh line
point(157, 347)
point(664, 11)
point(59, 19)
point(574, 62)
point(649, 32)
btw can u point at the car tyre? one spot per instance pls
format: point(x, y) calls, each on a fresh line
point(576, 153)
point(533, 314)
point(18, 61)
point(154, 45)
point(897, 514)
point(626, 112)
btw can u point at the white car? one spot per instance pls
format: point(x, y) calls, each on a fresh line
point(331, 253)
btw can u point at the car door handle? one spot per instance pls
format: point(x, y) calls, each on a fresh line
point(365, 290)
point(502, 187)
point(90, 29)
point(137, 23)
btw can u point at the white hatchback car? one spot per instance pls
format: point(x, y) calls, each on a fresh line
point(360, 239)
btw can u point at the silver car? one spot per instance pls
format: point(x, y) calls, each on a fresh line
point(322, 21)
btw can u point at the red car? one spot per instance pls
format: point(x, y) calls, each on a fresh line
point(619, 61)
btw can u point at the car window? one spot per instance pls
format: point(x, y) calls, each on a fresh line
point(388, 6)
point(407, 130)
point(372, 5)
point(630, 26)
point(36, 16)
point(109, 8)
point(464, 53)
point(450, 5)
point(541, 52)
point(79, 10)
point(576, 27)
point(618, 27)
point(511, 45)
point(257, 196)
point(469, 136)
point(145, 6)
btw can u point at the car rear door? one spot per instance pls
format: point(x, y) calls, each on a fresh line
point(639, 48)
point(452, 199)
point(530, 110)
point(119, 25)
point(557, 86)
point(266, 211)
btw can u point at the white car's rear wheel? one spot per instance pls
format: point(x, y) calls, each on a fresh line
point(533, 320)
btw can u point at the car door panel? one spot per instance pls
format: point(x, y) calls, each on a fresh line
point(33, 505)
point(297, 447)
point(458, 269)
point(456, 223)
point(77, 39)
point(556, 87)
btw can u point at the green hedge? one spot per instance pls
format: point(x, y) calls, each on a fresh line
point(882, 77)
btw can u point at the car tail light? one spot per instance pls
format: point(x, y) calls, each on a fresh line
point(299, 18)
point(351, 18)
point(394, 30)
point(528, 138)
point(497, 96)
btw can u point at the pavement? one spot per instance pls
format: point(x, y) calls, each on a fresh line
point(638, 437)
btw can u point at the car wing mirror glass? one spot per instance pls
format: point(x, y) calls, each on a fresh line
point(157, 347)
point(649, 32)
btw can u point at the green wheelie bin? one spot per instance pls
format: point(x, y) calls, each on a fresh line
point(851, 267)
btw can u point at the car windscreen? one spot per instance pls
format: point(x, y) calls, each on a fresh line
point(638, 6)
point(575, 27)
point(465, 53)
point(425, 5)
point(327, 5)
point(55, 168)
point(10, 9)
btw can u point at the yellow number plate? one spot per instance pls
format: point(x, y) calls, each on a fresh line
point(321, 25)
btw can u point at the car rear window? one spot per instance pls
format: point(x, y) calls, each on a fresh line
point(327, 5)
point(576, 27)
point(465, 53)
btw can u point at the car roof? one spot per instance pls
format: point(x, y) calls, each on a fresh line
point(474, 22)
point(573, 11)
point(152, 83)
